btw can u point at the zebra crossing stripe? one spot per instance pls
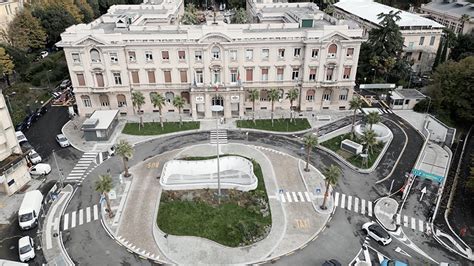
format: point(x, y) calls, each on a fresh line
point(349, 203)
point(282, 197)
point(301, 196)
point(66, 221)
point(88, 214)
point(399, 220)
point(289, 197)
point(336, 199)
point(343, 201)
point(413, 223)
point(81, 216)
point(363, 207)
point(56, 223)
point(420, 225)
point(308, 198)
point(73, 219)
point(405, 221)
point(369, 203)
point(96, 212)
point(356, 204)
point(294, 196)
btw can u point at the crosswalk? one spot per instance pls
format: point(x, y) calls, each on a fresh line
point(294, 197)
point(377, 110)
point(78, 173)
point(80, 217)
point(220, 135)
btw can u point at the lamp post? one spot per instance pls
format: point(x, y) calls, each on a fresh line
point(217, 109)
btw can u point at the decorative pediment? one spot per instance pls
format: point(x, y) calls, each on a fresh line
point(215, 37)
point(335, 36)
point(90, 41)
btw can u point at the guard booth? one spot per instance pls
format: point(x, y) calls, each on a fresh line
point(101, 125)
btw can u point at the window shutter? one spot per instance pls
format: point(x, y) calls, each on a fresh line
point(151, 76)
point(184, 76)
point(165, 55)
point(347, 71)
point(249, 76)
point(181, 54)
point(135, 78)
point(312, 71)
point(80, 80)
point(310, 93)
point(350, 51)
point(167, 76)
point(264, 71)
point(280, 71)
point(100, 79)
point(332, 49)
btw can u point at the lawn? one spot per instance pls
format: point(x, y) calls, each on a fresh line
point(334, 144)
point(154, 128)
point(242, 218)
point(280, 125)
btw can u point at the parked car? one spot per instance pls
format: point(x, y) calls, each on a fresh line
point(62, 141)
point(35, 158)
point(41, 111)
point(376, 232)
point(44, 54)
point(56, 94)
point(64, 84)
point(20, 137)
point(31, 118)
point(332, 262)
point(24, 125)
point(40, 169)
point(387, 262)
point(26, 249)
point(30, 209)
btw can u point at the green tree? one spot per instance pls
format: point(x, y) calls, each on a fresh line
point(355, 104)
point(6, 63)
point(159, 101)
point(179, 102)
point(25, 32)
point(124, 150)
point(464, 47)
point(253, 96)
point(54, 20)
point(332, 174)
point(463, 19)
point(310, 141)
point(104, 185)
point(240, 17)
point(292, 96)
point(273, 95)
point(190, 15)
point(86, 10)
point(372, 118)
point(138, 100)
point(94, 4)
point(236, 4)
point(369, 139)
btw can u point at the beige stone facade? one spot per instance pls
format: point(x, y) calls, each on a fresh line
point(8, 10)
point(450, 13)
point(133, 48)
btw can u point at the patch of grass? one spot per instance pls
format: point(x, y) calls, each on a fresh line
point(280, 125)
point(154, 128)
point(237, 221)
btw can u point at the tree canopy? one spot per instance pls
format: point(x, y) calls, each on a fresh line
point(54, 20)
point(6, 63)
point(464, 47)
point(240, 17)
point(25, 32)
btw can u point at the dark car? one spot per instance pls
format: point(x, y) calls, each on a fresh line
point(332, 262)
point(22, 126)
point(41, 111)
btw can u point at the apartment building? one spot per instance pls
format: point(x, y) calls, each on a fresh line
point(144, 48)
point(421, 36)
point(455, 15)
point(8, 10)
point(13, 167)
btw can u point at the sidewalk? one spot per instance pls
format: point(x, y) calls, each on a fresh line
point(9, 205)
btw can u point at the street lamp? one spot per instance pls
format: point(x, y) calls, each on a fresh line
point(217, 109)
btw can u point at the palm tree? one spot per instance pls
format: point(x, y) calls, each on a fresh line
point(253, 95)
point(124, 150)
point(332, 174)
point(354, 104)
point(373, 118)
point(178, 102)
point(158, 100)
point(292, 96)
point(369, 140)
point(310, 141)
point(138, 100)
point(464, 18)
point(104, 186)
point(273, 95)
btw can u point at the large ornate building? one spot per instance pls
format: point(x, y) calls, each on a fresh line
point(144, 48)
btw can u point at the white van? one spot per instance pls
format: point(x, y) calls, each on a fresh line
point(30, 209)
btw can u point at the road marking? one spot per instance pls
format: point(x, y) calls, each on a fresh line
point(101, 158)
point(89, 153)
point(405, 220)
point(349, 203)
point(356, 204)
point(289, 197)
point(294, 196)
point(81, 217)
point(343, 200)
point(88, 214)
point(80, 168)
point(413, 223)
point(96, 212)
point(301, 196)
point(363, 207)
point(73, 219)
point(336, 199)
point(399, 218)
point(380, 257)
point(76, 173)
point(420, 225)
point(369, 203)
point(89, 156)
point(308, 198)
point(56, 224)
point(302, 223)
point(282, 197)
point(66, 221)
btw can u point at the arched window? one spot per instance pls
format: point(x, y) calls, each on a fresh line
point(310, 95)
point(216, 52)
point(104, 100)
point(327, 95)
point(169, 96)
point(95, 55)
point(86, 101)
point(343, 94)
point(263, 95)
point(332, 50)
point(185, 95)
point(121, 100)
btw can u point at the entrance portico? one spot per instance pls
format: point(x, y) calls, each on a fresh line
point(231, 98)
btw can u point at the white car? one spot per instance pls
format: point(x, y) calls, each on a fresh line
point(20, 136)
point(34, 157)
point(376, 232)
point(40, 169)
point(44, 54)
point(62, 141)
point(26, 249)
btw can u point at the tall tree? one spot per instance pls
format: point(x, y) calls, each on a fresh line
point(54, 20)
point(190, 15)
point(310, 141)
point(463, 19)
point(292, 96)
point(6, 65)
point(463, 47)
point(159, 100)
point(331, 174)
point(94, 4)
point(369, 139)
point(138, 100)
point(253, 96)
point(236, 4)
point(86, 10)
point(25, 32)
point(273, 95)
point(104, 185)
point(240, 17)
point(124, 150)
point(355, 104)
point(179, 102)
point(372, 118)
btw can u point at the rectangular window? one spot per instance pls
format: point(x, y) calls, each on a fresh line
point(135, 78)
point(280, 71)
point(216, 76)
point(87, 102)
point(76, 58)
point(264, 74)
point(295, 74)
point(233, 75)
point(314, 53)
point(233, 55)
point(420, 55)
point(350, 52)
point(132, 57)
point(149, 56)
point(184, 76)
point(265, 54)
point(410, 45)
point(113, 57)
point(167, 74)
point(422, 40)
point(312, 74)
point(281, 53)
point(432, 40)
point(198, 56)
point(347, 73)
point(249, 54)
point(165, 55)
point(249, 74)
point(117, 78)
point(151, 76)
point(181, 55)
point(80, 79)
point(199, 77)
point(343, 97)
point(297, 52)
point(329, 72)
point(100, 79)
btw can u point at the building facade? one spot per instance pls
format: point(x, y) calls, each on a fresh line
point(455, 15)
point(421, 36)
point(13, 167)
point(8, 10)
point(144, 48)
